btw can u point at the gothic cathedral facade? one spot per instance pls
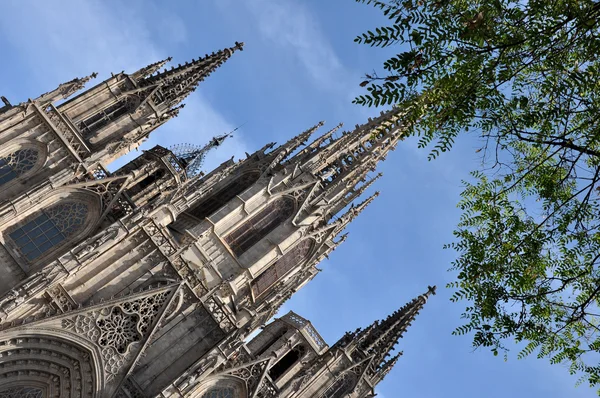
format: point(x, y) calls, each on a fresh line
point(147, 281)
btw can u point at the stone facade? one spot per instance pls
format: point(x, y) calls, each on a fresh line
point(146, 282)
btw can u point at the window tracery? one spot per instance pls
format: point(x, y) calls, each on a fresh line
point(285, 264)
point(49, 228)
point(220, 392)
point(213, 203)
point(260, 225)
point(17, 163)
point(21, 392)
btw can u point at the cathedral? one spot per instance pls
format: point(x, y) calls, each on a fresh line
point(155, 279)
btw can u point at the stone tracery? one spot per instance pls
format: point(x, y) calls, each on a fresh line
point(49, 228)
point(17, 163)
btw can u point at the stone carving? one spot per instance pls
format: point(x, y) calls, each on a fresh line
point(87, 251)
point(192, 378)
point(10, 301)
point(116, 328)
point(218, 313)
point(61, 299)
point(61, 127)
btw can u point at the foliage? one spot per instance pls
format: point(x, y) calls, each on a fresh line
point(525, 76)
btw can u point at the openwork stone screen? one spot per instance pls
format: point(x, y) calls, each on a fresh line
point(49, 228)
point(222, 197)
point(285, 264)
point(307, 329)
point(21, 392)
point(16, 164)
point(259, 226)
point(220, 392)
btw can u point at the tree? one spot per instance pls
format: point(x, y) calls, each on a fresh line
point(525, 76)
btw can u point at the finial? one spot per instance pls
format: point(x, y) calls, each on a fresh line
point(431, 290)
point(239, 46)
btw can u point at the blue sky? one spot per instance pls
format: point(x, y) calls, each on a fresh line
point(299, 66)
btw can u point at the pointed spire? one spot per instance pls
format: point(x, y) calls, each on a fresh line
point(369, 143)
point(316, 144)
point(354, 211)
point(65, 90)
point(291, 145)
point(388, 365)
point(191, 156)
point(379, 339)
point(150, 69)
point(176, 84)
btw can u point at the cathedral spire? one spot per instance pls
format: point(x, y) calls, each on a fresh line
point(291, 145)
point(65, 90)
point(150, 69)
point(366, 144)
point(170, 87)
point(379, 339)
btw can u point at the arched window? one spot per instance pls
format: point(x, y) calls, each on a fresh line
point(341, 387)
point(286, 362)
point(17, 163)
point(259, 225)
point(213, 203)
point(276, 271)
point(49, 228)
point(21, 392)
point(220, 392)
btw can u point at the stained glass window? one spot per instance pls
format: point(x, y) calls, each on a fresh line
point(21, 392)
point(259, 225)
point(220, 392)
point(16, 164)
point(341, 387)
point(222, 197)
point(285, 264)
point(49, 228)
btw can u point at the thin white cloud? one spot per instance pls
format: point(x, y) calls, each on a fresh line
point(74, 38)
point(292, 27)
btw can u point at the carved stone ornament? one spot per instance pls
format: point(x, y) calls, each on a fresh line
point(115, 329)
point(87, 251)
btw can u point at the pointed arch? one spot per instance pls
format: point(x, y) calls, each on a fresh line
point(260, 224)
point(42, 365)
point(21, 159)
point(281, 267)
point(57, 222)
